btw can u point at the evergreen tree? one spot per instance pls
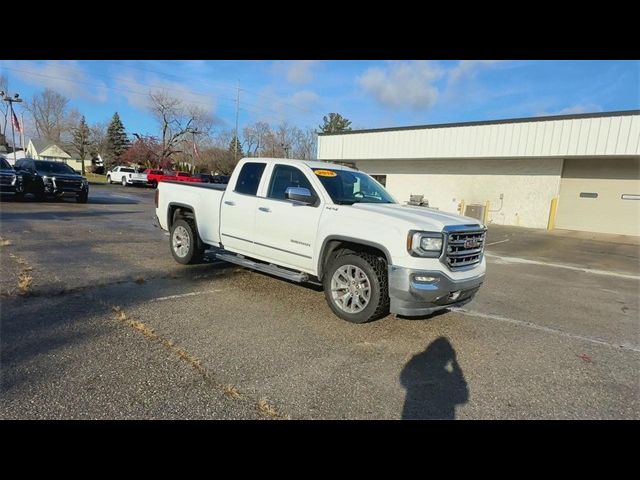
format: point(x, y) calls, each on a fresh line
point(235, 148)
point(335, 123)
point(117, 140)
point(81, 140)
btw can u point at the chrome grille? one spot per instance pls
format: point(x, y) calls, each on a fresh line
point(66, 184)
point(6, 179)
point(464, 248)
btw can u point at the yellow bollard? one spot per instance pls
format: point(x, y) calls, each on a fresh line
point(552, 214)
point(485, 217)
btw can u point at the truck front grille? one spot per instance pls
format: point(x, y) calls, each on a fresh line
point(464, 248)
point(6, 180)
point(68, 185)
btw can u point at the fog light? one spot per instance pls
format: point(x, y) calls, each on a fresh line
point(425, 279)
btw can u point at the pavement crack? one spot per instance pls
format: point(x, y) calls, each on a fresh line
point(261, 405)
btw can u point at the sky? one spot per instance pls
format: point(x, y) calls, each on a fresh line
point(372, 94)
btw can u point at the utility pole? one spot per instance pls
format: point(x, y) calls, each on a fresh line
point(11, 100)
point(235, 144)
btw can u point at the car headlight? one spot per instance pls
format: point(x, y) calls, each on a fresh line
point(424, 244)
point(14, 179)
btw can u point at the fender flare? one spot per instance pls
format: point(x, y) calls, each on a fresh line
point(344, 238)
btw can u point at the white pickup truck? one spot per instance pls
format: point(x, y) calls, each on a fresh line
point(126, 176)
point(321, 222)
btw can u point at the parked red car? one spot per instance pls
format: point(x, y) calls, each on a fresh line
point(154, 176)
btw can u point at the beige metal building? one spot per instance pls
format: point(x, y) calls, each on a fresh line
point(510, 172)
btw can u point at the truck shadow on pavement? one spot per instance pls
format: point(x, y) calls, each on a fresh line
point(434, 382)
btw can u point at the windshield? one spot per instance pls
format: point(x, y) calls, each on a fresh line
point(54, 167)
point(4, 165)
point(346, 187)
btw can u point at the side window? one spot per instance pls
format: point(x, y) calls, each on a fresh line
point(283, 177)
point(116, 169)
point(249, 178)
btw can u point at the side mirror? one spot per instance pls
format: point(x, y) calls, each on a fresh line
point(299, 194)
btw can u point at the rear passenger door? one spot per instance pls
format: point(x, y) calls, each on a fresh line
point(238, 210)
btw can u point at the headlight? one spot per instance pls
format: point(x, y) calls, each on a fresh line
point(14, 179)
point(424, 244)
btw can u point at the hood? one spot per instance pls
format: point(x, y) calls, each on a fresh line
point(419, 218)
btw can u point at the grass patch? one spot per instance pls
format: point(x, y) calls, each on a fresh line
point(265, 409)
point(231, 391)
point(24, 283)
point(95, 178)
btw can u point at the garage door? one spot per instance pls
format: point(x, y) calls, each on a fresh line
point(600, 195)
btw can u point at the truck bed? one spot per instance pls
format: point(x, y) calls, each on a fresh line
point(205, 199)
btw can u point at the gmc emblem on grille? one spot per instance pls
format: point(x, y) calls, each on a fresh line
point(471, 243)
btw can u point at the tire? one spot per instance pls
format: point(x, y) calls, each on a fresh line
point(184, 242)
point(19, 197)
point(109, 179)
point(82, 198)
point(39, 194)
point(154, 183)
point(123, 180)
point(365, 269)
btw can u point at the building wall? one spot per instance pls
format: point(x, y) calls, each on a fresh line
point(528, 185)
point(597, 136)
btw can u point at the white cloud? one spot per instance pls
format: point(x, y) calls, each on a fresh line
point(304, 99)
point(137, 91)
point(578, 108)
point(468, 68)
point(300, 71)
point(67, 78)
point(403, 84)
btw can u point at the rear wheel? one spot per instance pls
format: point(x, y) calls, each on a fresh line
point(356, 287)
point(154, 183)
point(186, 246)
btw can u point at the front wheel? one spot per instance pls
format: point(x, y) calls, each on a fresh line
point(124, 182)
point(109, 179)
point(82, 198)
point(186, 246)
point(356, 287)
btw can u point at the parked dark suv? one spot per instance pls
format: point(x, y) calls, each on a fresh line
point(45, 179)
point(10, 181)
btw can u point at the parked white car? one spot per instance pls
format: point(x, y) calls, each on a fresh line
point(126, 176)
point(313, 221)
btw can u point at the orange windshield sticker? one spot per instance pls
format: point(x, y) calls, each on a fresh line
point(325, 173)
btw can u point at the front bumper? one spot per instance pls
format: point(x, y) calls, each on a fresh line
point(411, 296)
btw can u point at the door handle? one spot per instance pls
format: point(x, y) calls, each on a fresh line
point(264, 209)
point(228, 202)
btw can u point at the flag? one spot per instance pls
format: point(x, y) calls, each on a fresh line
point(16, 124)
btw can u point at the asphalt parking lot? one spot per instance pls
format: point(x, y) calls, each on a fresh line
point(112, 327)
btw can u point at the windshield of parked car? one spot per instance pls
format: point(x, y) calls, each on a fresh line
point(4, 165)
point(54, 167)
point(346, 187)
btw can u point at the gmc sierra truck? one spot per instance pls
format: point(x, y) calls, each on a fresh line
point(309, 221)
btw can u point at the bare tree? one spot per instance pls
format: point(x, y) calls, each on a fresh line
point(255, 137)
point(98, 138)
point(51, 116)
point(176, 121)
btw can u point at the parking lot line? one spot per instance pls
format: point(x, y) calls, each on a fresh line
point(500, 318)
point(594, 271)
point(190, 294)
point(499, 241)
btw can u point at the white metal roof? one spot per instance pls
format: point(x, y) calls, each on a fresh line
point(310, 163)
point(617, 134)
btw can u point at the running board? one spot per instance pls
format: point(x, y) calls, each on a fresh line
point(263, 267)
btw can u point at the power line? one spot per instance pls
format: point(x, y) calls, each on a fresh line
point(159, 87)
